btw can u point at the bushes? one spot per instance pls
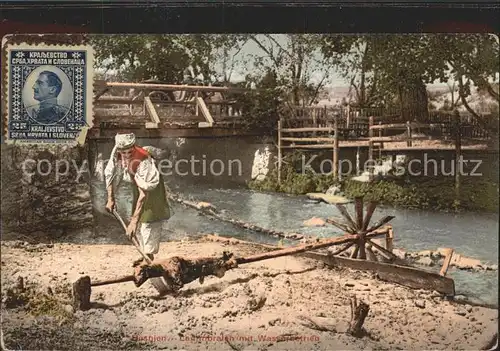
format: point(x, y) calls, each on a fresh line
point(429, 193)
point(293, 182)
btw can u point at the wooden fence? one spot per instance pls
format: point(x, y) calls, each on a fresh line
point(354, 123)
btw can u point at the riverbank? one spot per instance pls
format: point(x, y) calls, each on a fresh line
point(270, 305)
point(424, 193)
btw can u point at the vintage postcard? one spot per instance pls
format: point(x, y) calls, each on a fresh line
point(48, 92)
point(239, 191)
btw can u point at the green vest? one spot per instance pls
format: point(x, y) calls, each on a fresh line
point(155, 207)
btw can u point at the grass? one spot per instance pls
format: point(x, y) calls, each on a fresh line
point(428, 193)
point(38, 303)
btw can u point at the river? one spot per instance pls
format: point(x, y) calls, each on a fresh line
point(470, 234)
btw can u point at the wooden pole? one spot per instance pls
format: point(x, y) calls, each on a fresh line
point(339, 225)
point(408, 131)
point(348, 116)
point(358, 203)
point(298, 249)
point(446, 263)
point(370, 254)
point(358, 315)
point(336, 148)
point(314, 120)
point(196, 106)
point(389, 238)
point(307, 129)
point(379, 223)
point(372, 205)
point(343, 211)
point(172, 87)
point(381, 145)
point(458, 160)
point(357, 161)
point(279, 151)
point(370, 148)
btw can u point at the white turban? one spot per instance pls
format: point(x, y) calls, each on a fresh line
point(124, 141)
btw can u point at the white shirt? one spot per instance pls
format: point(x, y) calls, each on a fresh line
point(147, 176)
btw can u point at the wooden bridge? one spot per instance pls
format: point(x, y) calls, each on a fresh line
point(152, 110)
point(156, 110)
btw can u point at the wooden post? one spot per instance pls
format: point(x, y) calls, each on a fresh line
point(279, 151)
point(358, 204)
point(81, 293)
point(336, 148)
point(357, 162)
point(389, 238)
point(151, 111)
point(381, 145)
point(408, 132)
point(314, 121)
point(196, 106)
point(370, 254)
point(370, 147)
point(446, 263)
point(458, 158)
point(348, 116)
point(358, 315)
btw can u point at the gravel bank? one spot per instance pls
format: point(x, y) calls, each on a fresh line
point(265, 305)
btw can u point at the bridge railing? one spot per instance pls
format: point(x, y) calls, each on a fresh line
point(185, 104)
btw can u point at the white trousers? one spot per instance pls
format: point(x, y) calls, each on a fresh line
point(149, 236)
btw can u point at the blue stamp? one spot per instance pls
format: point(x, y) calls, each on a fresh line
point(49, 93)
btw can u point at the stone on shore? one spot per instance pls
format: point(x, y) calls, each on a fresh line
point(315, 222)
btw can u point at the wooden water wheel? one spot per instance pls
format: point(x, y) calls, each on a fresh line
point(363, 248)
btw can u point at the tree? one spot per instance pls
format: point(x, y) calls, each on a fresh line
point(295, 60)
point(473, 61)
point(401, 65)
point(353, 59)
point(263, 104)
point(228, 55)
point(173, 59)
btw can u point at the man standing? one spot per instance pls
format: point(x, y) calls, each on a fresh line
point(150, 207)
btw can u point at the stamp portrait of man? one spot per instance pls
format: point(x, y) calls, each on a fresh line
point(46, 89)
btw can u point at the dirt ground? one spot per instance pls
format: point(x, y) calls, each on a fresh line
point(265, 305)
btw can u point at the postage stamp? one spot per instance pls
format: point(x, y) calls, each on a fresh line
point(49, 93)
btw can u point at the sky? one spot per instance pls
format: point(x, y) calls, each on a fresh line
point(251, 48)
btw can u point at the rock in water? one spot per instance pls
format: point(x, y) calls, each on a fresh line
point(315, 222)
point(203, 205)
point(260, 166)
point(333, 190)
point(426, 261)
point(399, 253)
point(425, 253)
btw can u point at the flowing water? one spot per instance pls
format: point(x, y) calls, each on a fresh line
point(470, 234)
